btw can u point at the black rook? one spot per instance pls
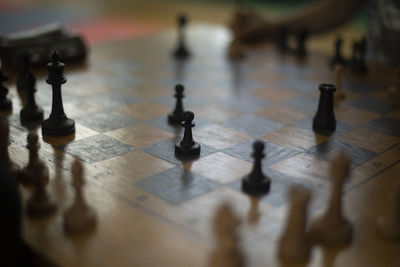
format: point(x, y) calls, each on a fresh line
point(324, 120)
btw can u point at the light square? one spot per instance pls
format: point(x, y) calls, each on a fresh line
point(354, 116)
point(369, 139)
point(283, 114)
point(220, 167)
point(275, 94)
point(140, 135)
point(296, 138)
point(134, 165)
point(215, 112)
point(144, 111)
point(219, 137)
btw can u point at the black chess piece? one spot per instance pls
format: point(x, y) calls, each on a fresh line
point(256, 183)
point(58, 124)
point(5, 102)
point(301, 38)
point(282, 35)
point(337, 58)
point(31, 111)
point(187, 147)
point(23, 65)
point(324, 120)
point(362, 67)
point(175, 118)
point(181, 52)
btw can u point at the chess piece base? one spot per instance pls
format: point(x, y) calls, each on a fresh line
point(193, 150)
point(255, 189)
point(56, 127)
point(79, 220)
point(331, 232)
point(324, 125)
point(32, 114)
point(6, 105)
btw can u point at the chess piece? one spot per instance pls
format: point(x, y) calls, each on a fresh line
point(282, 39)
point(301, 38)
point(332, 228)
point(187, 147)
point(357, 62)
point(57, 124)
point(80, 217)
point(294, 244)
point(40, 203)
point(394, 90)
point(324, 120)
point(362, 53)
point(389, 224)
point(23, 64)
point(256, 183)
point(36, 167)
point(181, 52)
point(228, 252)
point(175, 118)
point(5, 102)
point(4, 143)
point(339, 94)
point(31, 111)
point(337, 58)
point(236, 50)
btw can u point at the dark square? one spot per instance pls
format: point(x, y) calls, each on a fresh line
point(252, 124)
point(273, 152)
point(303, 103)
point(385, 125)
point(300, 85)
point(357, 87)
point(106, 121)
point(177, 185)
point(96, 148)
point(374, 105)
point(330, 148)
point(162, 123)
point(166, 150)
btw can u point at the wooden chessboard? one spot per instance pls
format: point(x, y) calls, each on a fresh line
point(155, 210)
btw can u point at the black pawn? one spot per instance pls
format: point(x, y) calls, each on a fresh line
point(256, 183)
point(324, 121)
point(187, 147)
point(5, 102)
point(282, 35)
point(181, 51)
point(337, 58)
point(301, 38)
point(31, 111)
point(23, 65)
point(57, 124)
point(175, 118)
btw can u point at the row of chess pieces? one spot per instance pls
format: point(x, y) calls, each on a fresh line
point(31, 115)
point(330, 229)
point(79, 217)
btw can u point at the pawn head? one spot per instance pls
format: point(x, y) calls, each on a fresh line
point(179, 89)
point(188, 116)
point(258, 146)
point(182, 19)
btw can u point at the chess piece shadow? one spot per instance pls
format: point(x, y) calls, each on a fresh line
point(58, 184)
point(186, 177)
point(254, 214)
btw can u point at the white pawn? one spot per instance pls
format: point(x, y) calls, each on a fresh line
point(332, 228)
point(294, 245)
point(79, 217)
point(389, 224)
point(227, 252)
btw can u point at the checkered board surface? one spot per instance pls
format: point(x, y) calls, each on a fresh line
point(156, 210)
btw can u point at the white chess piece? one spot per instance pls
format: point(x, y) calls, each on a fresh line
point(294, 244)
point(332, 228)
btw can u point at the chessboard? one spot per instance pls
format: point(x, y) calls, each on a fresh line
point(154, 209)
